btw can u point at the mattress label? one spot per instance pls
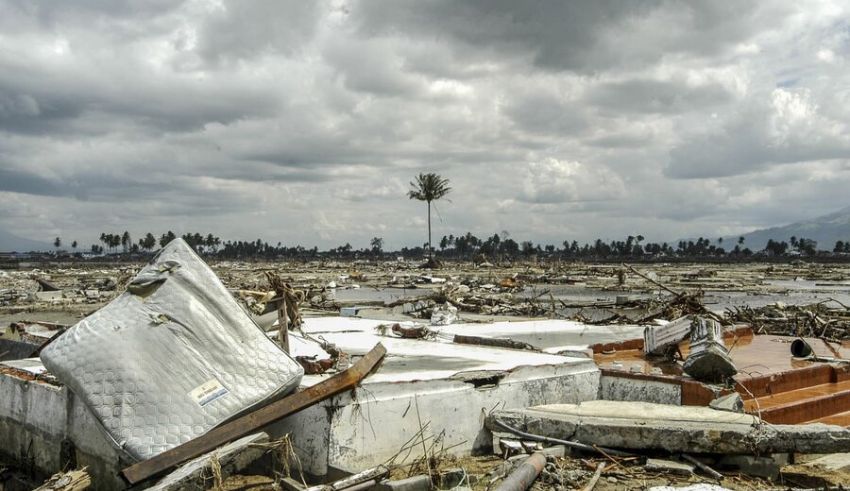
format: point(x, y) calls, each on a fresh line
point(208, 392)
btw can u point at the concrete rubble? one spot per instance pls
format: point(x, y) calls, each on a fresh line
point(227, 460)
point(708, 360)
point(675, 429)
point(645, 385)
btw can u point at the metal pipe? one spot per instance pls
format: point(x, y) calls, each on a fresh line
point(524, 475)
point(558, 441)
point(801, 349)
point(704, 467)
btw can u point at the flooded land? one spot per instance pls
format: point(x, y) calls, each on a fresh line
point(736, 367)
point(584, 291)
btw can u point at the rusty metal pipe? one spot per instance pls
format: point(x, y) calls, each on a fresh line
point(524, 475)
point(802, 349)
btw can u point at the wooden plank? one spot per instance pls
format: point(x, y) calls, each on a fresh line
point(255, 420)
point(75, 480)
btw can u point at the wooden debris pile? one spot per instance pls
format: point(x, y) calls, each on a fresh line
point(828, 320)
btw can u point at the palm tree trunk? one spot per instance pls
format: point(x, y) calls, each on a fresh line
point(429, 231)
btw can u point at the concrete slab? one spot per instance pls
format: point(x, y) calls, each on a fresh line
point(613, 388)
point(835, 462)
point(691, 487)
point(647, 412)
point(668, 467)
point(32, 366)
point(442, 388)
point(14, 350)
point(548, 335)
point(639, 425)
point(419, 359)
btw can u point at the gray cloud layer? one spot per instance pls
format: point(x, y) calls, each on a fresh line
point(303, 121)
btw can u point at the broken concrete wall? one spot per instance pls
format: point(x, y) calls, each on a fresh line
point(37, 417)
point(612, 388)
point(33, 419)
point(355, 431)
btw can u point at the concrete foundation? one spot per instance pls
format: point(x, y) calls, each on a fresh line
point(435, 388)
point(43, 426)
point(551, 336)
point(614, 388)
point(442, 388)
point(637, 425)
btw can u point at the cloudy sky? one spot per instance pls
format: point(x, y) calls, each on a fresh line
point(303, 122)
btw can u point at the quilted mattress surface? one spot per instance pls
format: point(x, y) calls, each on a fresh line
point(171, 358)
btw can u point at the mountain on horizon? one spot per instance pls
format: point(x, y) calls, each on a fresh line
point(10, 242)
point(826, 230)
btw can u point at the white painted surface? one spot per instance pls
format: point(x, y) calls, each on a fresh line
point(419, 359)
point(550, 333)
point(35, 417)
point(356, 430)
point(647, 411)
point(453, 386)
point(381, 418)
point(542, 334)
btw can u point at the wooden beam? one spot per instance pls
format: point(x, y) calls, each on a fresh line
point(253, 421)
point(283, 323)
point(75, 480)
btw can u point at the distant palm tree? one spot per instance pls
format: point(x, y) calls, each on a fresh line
point(428, 187)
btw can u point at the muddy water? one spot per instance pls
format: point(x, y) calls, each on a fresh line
point(791, 292)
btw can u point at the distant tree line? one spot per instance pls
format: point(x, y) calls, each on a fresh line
point(468, 247)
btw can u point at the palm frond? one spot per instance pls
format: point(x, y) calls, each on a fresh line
point(428, 187)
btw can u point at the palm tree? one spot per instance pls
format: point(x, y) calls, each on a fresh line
point(126, 241)
point(428, 187)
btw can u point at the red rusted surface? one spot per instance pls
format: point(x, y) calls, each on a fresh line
point(787, 390)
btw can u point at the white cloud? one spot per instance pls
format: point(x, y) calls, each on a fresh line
point(553, 181)
point(304, 122)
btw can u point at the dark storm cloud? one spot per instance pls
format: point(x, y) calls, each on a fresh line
point(590, 35)
point(21, 181)
point(584, 118)
point(657, 96)
point(778, 128)
point(28, 113)
point(41, 110)
point(248, 29)
point(546, 113)
point(556, 34)
point(103, 186)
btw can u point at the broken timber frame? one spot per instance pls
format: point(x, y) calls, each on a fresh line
point(251, 422)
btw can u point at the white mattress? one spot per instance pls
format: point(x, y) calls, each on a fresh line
point(171, 358)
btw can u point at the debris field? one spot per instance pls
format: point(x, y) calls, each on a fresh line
point(347, 376)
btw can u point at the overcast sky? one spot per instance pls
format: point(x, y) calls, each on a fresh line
point(303, 122)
